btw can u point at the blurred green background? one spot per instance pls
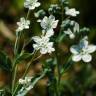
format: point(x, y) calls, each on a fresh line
point(80, 80)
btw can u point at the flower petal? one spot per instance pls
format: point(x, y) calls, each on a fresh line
point(87, 58)
point(74, 49)
point(54, 23)
point(76, 58)
point(36, 39)
point(50, 33)
point(37, 4)
point(91, 48)
point(43, 51)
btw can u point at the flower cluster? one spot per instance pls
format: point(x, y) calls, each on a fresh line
point(43, 42)
point(82, 51)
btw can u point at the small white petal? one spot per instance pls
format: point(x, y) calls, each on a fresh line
point(76, 27)
point(36, 39)
point(50, 33)
point(37, 4)
point(72, 36)
point(43, 51)
point(54, 23)
point(91, 48)
point(38, 20)
point(76, 58)
point(87, 58)
point(36, 47)
point(51, 50)
point(74, 49)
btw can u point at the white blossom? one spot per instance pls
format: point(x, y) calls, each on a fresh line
point(71, 12)
point(70, 33)
point(31, 4)
point(43, 44)
point(23, 24)
point(82, 51)
point(49, 23)
point(26, 80)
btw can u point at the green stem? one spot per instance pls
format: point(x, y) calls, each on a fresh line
point(28, 65)
point(58, 71)
point(16, 47)
point(14, 77)
point(28, 14)
point(59, 77)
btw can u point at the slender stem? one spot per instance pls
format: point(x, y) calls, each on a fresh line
point(28, 14)
point(15, 48)
point(59, 76)
point(14, 77)
point(58, 70)
point(38, 57)
point(28, 65)
point(57, 57)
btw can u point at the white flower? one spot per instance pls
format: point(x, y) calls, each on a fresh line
point(70, 33)
point(27, 80)
point(82, 51)
point(71, 12)
point(21, 81)
point(43, 44)
point(31, 4)
point(23, 24)
point(49, 23)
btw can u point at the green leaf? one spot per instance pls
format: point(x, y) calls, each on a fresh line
point(5, 62)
